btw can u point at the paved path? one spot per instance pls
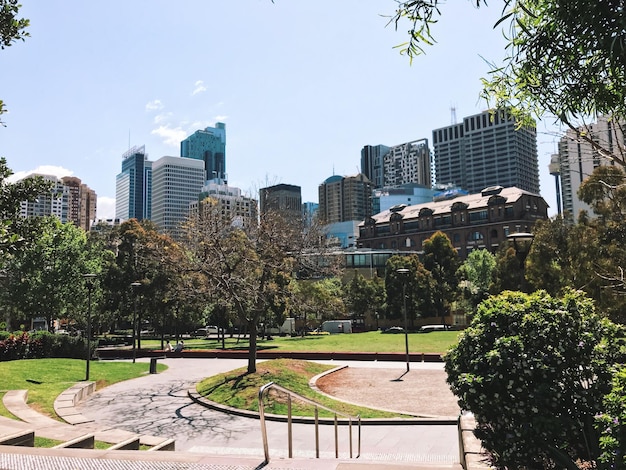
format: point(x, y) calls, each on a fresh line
point(158, 405)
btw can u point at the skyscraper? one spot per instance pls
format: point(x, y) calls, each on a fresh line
point(397, 165)
point(577, 159)
point(345, 198)
point(81, 202)
point(372, 163)
point(487, 149)
point(208, 145)
point(286, 199)
point(69, 200)
point(133, 186)
point(176, 182)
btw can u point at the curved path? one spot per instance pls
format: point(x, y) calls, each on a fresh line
point(158, 404)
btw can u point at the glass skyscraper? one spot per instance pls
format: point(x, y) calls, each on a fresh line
point(133, 186)
point(208, 145)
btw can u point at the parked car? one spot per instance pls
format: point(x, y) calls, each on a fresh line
point(208, 331)
point(394, 329)
point(429, 328)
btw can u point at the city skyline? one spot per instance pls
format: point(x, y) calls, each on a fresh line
point(301, 88)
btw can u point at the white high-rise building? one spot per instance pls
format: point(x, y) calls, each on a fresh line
point(55, 203)
point(176, 182)
point(577, 158)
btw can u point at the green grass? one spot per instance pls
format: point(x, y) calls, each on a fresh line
point(240, 390)
point(371, 341)
point(45, 379)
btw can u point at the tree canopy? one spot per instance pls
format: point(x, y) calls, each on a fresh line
point(12, 28)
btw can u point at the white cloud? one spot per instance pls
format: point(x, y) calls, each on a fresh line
point(199, 87)
point(171, 136)
point(159, 118)
point(221, 118)
point(57, 171)
point(106, 207)
point(154, 105)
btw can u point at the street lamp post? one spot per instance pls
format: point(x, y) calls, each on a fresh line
point(135, 285)
point(89, 278)
point(404, 272)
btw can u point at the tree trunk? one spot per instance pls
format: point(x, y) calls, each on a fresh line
point(252, 331)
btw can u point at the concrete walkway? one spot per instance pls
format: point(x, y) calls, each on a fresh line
point(159, 405)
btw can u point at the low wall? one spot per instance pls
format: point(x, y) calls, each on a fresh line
point(109, 353)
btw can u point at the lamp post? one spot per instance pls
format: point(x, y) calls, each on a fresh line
point(89, 278)
point(403, 273)
point(135, 285)
point(522, 242)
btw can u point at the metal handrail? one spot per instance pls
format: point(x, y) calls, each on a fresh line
point(265, 388)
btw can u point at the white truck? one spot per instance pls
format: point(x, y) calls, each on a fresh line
point(287, 328)
point(337, 326)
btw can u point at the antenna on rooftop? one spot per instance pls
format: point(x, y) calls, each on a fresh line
point(452, 114)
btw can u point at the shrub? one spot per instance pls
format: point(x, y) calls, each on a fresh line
point(534, 370)
point(612, 425)
point(41, 344)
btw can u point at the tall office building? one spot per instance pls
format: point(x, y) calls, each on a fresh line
point(133, 186)
point(487, 149)
point(372, 163)
point(405, 163)
point(286, 199)
point(208, 145)
point(577, 159)
point(176, 182)
point(345, 198)
point(54, 203)
point(69, 201)
point(81, 203)
point(235, 209)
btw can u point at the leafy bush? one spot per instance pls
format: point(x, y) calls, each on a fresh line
point(40, 344)
point(534, 370)
point(612, 425)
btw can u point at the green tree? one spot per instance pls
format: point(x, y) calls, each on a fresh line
point(43, 277)
point(415, 286)
point(442, 260)
point(564, 60)
point(508, 274)
point(11, 195)
point(12, 28)
point(365, 296)
point(249, 267)
point(477, 273)
point(534, 369)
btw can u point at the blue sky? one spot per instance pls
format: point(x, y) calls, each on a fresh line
point(301, 85)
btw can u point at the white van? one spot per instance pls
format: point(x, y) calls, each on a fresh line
point(429, 328)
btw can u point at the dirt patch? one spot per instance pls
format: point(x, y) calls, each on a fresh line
point(422, 392)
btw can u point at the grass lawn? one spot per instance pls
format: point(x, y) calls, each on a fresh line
point(45, 379)
point(240, 390)
point(371, 341)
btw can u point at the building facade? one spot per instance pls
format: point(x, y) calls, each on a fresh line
point(176, 182)
point(285, 199)
point(54, 203)
point(408, 163)
point(372, 163)
point(69, 200)
point(472, 222)
point(208, 145)
point(487, 149)
point(577, 158)
point(345, 198)
point(81, 203)
point(133, 186)
point(235, 209)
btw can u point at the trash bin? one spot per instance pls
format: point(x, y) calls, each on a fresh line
point(153, 364)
